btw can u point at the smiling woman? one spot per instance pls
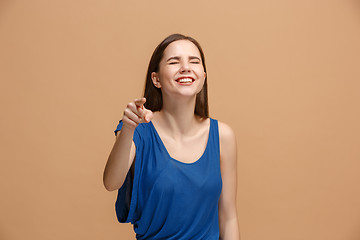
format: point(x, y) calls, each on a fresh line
point(174, 167)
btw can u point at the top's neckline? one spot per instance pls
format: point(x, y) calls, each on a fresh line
point(168, 154)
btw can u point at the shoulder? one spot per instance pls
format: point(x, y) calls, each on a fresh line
point(143, 129)
point(227, 141)
point(139, 129)
point(142, 133)
point(228, 145)
point(226, 133)
point(143, 126)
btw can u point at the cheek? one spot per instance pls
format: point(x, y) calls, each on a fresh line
point(202, 75)
point(167, 71)
point(200, 71)
point(202, 80)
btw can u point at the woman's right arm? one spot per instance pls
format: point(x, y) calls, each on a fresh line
point(123, 152)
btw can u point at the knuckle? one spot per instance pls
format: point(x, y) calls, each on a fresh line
point(129, 122)
point(126, 119)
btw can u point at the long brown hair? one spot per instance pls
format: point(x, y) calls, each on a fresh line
point(153, 94)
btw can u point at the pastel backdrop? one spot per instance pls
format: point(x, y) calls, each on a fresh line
point(284, 74)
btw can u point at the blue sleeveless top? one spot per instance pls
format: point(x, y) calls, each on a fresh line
point(167, 198)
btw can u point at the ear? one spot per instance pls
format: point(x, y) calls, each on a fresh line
point(155, 79)
point(204, 75)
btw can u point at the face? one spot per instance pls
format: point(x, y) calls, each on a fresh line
point(181, 71)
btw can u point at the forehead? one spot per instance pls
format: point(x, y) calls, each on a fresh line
point(181, 48)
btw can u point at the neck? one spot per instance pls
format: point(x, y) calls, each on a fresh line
point(177, 115)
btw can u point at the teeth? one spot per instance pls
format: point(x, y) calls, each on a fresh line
point(185, 80)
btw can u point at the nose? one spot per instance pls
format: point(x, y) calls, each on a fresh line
point(185, 67)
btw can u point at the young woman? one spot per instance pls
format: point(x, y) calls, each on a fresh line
point(173, 166)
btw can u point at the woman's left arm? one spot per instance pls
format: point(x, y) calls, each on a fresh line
point(228, 220)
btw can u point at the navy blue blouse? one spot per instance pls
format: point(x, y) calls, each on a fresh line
point(167, 198)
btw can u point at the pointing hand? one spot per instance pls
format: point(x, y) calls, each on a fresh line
point(135, 113)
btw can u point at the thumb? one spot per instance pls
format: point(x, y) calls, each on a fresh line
point(148, 115)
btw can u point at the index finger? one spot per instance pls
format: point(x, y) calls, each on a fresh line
point(140, 102)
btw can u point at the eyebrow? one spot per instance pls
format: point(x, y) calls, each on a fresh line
point(178, 58)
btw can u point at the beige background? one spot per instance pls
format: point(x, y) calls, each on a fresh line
point(284, 74)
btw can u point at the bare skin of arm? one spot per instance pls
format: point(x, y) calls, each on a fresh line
point(122, 154)
point(228, 220)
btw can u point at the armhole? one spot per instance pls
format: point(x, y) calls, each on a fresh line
point(132, 168)
point(217, 135)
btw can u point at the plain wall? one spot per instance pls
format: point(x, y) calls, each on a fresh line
point(284, 74)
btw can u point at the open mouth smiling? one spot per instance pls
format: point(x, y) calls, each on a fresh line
point(185, 80)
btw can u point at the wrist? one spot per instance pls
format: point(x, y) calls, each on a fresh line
point(128, 127)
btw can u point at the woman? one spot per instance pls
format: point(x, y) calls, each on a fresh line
point(175, 167)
